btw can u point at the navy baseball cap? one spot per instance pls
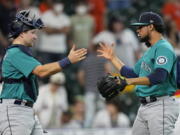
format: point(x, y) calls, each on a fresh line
point(147, 18)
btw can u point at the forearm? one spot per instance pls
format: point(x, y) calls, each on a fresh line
point(138, 81)
point(118, 64)
point(47, 69)
point(52, 68)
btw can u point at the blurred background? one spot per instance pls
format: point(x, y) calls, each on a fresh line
point(68, 102)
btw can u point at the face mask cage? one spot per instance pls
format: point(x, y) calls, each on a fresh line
point(23, 17)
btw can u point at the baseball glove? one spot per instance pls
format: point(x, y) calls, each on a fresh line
point(110, 86)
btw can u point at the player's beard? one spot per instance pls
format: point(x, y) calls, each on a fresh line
point(146, 40)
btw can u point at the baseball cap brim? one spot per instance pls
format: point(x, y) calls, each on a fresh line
point(139, 24)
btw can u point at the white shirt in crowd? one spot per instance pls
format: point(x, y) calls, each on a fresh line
point(105, 37)
point(54, 43)
point(125, 50)
point(49, 107)
point(102, 120)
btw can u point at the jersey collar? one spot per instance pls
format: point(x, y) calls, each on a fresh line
point(25, 49)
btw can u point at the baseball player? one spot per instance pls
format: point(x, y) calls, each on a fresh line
point(19, 71)
point(154, 74)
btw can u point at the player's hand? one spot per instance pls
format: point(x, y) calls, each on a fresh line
point(77, 55)
point(106, 51)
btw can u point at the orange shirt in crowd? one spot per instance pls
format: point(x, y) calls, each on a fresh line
point(173, 10)
point(43, 7)
point(97, 10)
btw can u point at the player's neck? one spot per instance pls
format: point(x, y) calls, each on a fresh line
point(155, 37)
point(18, 41)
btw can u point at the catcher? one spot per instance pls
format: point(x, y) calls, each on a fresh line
point(19, 75)
point(155, 77)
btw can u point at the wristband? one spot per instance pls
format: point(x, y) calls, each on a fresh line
point(64, 62)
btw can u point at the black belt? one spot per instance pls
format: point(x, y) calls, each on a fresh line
point(20, 102)
point(150, 99)
point(146, 100)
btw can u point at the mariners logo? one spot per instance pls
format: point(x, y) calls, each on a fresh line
point(161, 60)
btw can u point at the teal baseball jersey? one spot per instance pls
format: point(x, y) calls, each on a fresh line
point(16, 64)
point(160, 55)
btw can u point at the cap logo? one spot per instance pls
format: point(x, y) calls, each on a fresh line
point(140, 18)
point(151, 21)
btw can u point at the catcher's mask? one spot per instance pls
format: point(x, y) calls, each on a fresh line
point(24, 20)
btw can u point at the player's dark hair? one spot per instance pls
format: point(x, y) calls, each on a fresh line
point(17, 27)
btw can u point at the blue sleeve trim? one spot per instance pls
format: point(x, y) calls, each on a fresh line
point(128, 72)
point(158, 76)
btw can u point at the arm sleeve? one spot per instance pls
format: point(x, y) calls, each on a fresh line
point(158, 76)
point(128, 72)
point(24, 63)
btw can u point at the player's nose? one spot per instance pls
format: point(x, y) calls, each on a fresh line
point(35, 37)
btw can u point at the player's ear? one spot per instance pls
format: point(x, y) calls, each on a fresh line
point(24, 33)
point(21, 35)
point(151, 27)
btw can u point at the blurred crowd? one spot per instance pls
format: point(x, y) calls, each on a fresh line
point(70, 99)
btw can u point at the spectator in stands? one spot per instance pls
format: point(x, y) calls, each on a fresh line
point(7, 12)
point(171, 13)
point(28, 4)
point(90, 71)
point(52, 101)
point(53, 44)
point(66, 119)
point(127, 45)
point(45, 5)
point(76, 119)
point(171, 10)
point(104, 36)
point(171, 32)
point(97, 10)
point(111, 117)
point(82, 26)
point(114, 5)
